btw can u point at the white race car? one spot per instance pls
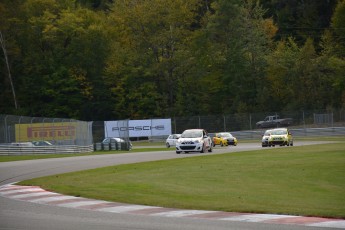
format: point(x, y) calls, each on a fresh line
point(194, 140)
point(172, 139)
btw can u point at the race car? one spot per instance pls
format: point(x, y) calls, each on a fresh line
point(224, 139)
point(280, 136)
point(194, 140)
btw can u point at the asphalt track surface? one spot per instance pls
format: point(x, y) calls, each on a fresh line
point(16, 214)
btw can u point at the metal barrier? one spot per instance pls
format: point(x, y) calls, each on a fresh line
point(307, 132)
point(55, 149)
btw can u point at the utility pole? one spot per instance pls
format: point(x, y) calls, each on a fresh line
point(2, 42)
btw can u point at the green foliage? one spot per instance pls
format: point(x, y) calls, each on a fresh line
point(300, 19)
point(240, 44)
point(338, 21)
point(59, 70)
point(300, 78)
point(151, 49)
point(105, 59)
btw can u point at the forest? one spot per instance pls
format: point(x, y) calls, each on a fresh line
point(139, 59)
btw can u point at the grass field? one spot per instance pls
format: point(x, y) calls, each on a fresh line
point(305, 180)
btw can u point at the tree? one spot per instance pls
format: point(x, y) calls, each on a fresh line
point(150, 47)
point(299, 78)
point(106, 59)
point(300, 19)
point(240, 40)
point(63, 57)
point(338, 22)
point(332, 57)
point(280, 77)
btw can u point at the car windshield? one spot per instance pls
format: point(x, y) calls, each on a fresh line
point(279, 132)
point(107, 140)
point(267, 133)
point(174, 136)
point(191, 134)
point(225, 135)
point(116, 139)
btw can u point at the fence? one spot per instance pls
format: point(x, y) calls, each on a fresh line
point(239, 122)
point(245, 124)
point(20, 134)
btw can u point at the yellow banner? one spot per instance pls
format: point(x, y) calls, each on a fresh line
point(45, 131)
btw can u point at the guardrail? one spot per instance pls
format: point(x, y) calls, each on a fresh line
point(308, 132)
point(56, 149)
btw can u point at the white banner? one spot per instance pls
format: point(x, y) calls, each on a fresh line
point(137, 128)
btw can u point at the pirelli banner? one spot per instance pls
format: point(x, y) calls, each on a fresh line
point(137, 128)
point(46, 131)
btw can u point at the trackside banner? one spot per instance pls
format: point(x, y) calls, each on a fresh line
point(46, 131)
point(137, 128)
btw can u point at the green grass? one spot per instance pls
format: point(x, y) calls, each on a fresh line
point(306, 180)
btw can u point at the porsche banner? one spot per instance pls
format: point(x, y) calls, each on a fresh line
point(137, 128)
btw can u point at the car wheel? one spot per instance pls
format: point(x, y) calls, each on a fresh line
point(178, 152)
point(221, 144)
point(168, 145)
point(291, 144)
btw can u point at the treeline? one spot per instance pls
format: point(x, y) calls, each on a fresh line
point(118, 59)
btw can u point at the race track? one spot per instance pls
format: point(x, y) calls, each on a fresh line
point(18, 214)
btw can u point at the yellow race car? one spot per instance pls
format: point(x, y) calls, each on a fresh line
point(280, 136)
point(224, 139)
